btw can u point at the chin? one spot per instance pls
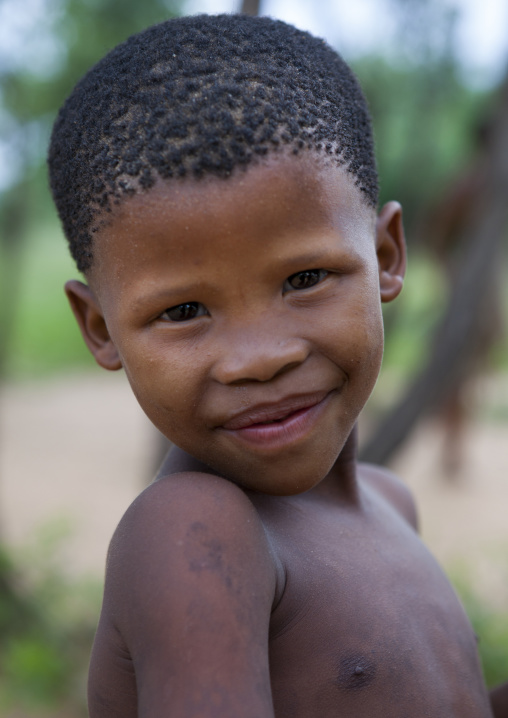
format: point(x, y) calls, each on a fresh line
point(284, 476)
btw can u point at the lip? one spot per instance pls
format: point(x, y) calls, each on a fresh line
point(275, 425)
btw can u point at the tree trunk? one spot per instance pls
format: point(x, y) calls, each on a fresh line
point(250, 7)
point(467, 311)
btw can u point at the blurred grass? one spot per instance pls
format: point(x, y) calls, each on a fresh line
point(490, 622)
point(46, 338)
point(43, 661)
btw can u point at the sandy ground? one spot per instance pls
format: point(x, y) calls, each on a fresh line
point(79, 449)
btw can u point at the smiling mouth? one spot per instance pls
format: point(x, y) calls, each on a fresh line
point(284, 423)
point(274, 413)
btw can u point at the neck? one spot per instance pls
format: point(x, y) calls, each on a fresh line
point(178, 460)
point(341, 480)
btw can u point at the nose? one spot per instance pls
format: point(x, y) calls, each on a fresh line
point(249, 355)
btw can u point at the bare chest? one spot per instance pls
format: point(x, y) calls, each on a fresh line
point(369, 625)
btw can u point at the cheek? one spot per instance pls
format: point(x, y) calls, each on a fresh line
point(369, 347)
point(167, 384)
point(355, 331)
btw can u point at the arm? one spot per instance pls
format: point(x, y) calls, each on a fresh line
point(499, 701)
point(189, 590)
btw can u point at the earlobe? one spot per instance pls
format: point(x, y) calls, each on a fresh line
point(92, 325)
point(391, 251)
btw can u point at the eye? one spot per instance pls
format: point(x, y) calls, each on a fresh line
point(304, 280)
point(184, 312)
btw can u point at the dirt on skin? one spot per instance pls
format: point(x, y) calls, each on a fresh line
point(79, 449)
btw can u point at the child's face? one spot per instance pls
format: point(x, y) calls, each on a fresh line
point(246, 314)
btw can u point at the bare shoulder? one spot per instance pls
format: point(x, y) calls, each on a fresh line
point(173, 500)
point(190, 584)
point(192, 523)
point(392, 489)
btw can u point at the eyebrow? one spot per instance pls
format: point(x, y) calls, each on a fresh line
point(314, 260)
point(147, 299)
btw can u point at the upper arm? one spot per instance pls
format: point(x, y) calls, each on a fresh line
point(393, 490)
point(190, 585)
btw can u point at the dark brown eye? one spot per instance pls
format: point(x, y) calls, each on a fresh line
point(184, 312)
point(306, 279)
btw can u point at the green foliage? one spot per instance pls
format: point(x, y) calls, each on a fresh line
point(43, 662)
point(45, 335)
point(490, 622)
point(410, 319)
point(34, 669)
point(85, 30)
point(425, 120)
point(14, 609)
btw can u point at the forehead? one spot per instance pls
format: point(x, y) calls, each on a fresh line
point(278, 198)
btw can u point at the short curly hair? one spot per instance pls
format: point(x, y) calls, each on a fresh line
point(201, 95)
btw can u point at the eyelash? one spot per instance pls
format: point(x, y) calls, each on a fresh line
point(196, 309)
point(310, 278)
point(192, 310)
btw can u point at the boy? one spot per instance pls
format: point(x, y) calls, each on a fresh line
point(215, 178)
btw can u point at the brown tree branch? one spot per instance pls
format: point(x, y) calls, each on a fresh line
point(461, 326)
point(250, 7)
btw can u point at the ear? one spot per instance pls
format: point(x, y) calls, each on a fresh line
point(391, 251)
point(92, 325)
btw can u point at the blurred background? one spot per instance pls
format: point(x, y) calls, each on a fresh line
point(74, 447)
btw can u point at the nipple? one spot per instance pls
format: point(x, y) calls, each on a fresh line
point(356, 672)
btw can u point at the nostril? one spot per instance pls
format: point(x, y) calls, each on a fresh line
point(255, 365)
point(286, 368)
point(262, 380)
